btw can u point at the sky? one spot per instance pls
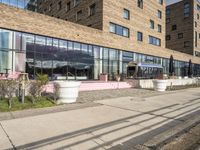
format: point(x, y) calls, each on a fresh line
point(172, 1)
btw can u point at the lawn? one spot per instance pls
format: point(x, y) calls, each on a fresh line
point(17, 105)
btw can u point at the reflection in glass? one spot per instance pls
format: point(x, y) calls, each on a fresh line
point(28, 42)
point(38, 54)
point(17, 41)
point(63, 45)
point(77, 46)
point(4, 61)
point(84, 48)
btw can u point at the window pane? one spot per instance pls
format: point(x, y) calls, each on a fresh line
point(125, 32)
point(77, 46)
point(17, 40)
point(55, 42)
point(21, 4)
point(5, 2)
point(96, 51)
point(63, 44)
point(13, 3)
point(84, 48)
point(40, 40)
point(6, 39)
point(112, 28)
point(28, 42)
point(70, 45)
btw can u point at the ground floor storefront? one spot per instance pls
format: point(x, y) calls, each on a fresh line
point(37, 54)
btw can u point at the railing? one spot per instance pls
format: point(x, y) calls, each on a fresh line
point(70, 74)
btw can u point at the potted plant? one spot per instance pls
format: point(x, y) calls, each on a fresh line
point(68, 91)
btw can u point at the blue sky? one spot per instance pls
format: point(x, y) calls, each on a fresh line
point(172, 1)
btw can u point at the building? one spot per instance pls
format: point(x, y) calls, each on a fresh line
point(128, 31)
point(183, 27)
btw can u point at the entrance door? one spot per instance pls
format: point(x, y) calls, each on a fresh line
point(131, 71)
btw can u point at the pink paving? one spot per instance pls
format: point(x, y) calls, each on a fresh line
point(98, 85)
point(93, 86)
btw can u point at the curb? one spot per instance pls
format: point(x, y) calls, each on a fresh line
point(43, 111)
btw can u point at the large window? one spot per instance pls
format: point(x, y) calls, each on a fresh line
point(92, 9)
point(187, 44)
point(68, 7)
point(139, 36)
point(186, 10)
point(159, 28)
point(79, 15)
point(140, 3)
point(159, 14)
point(168, 12)
point(76, 2)
point(119, 30)
point(180, 35)
point(154, 41)
point(59, 5)
point(58, 57)
point(174, 27)
point(126, 14)
point(160, 2)
point(198, 7)
point(168, 37)
point(151, 24)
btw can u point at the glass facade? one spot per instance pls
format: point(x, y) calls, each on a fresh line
point(23, 4)
point(57, 57)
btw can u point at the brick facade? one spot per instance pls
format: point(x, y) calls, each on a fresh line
point(188, 26)
point(68, 11)
point(26, 21)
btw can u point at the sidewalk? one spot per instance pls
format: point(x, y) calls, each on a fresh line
point(118, 123)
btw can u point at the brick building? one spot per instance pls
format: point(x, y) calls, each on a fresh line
point(182, 27)
point(126, 31)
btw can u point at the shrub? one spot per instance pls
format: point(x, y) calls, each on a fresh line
point(8, 89)
point(3, 87)
point(35, 89)
point(42, 79)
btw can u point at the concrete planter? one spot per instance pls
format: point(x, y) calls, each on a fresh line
point(160, 85)
point(68, 91)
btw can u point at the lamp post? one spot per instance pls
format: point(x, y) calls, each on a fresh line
point(23, 86)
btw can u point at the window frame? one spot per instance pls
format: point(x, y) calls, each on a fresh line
point(139, 36)
point(126, 14)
